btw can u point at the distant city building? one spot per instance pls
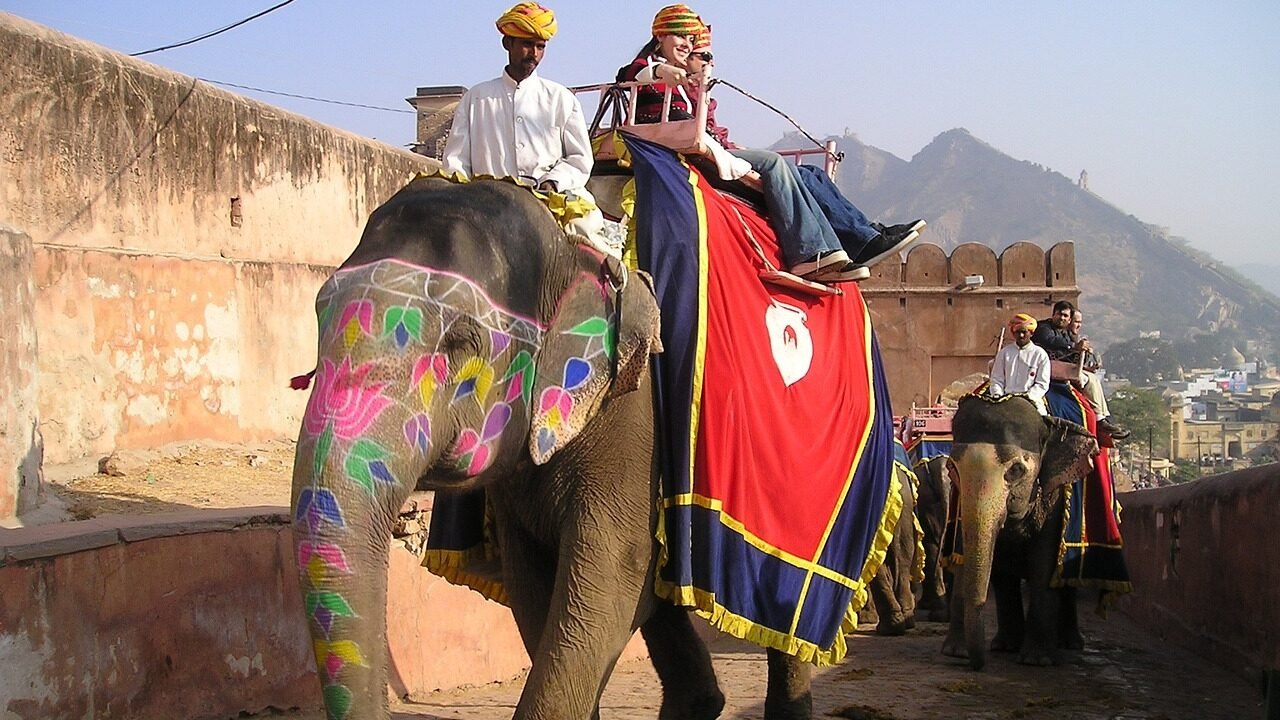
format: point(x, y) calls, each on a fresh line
point(1084, 180)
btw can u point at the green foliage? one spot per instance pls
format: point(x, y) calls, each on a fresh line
point(1144, 413)
point(1144, 361)
point(1184, 471)
point(1206, 350)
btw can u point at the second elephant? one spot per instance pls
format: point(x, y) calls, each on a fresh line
point(1012, 465)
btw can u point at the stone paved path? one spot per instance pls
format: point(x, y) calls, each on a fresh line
point(1123, 674)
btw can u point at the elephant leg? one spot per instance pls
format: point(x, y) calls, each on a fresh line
point(1069, 635)
point(906, 596)
point(883, 588)
point(1040, 646)
point(588, 622)
point(933, 592)
point(528, 576)
point(788, 696)
point(953, 645)
point(1010, 625)
point(683, 663)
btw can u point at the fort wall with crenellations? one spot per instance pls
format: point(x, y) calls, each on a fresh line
point(938, 318)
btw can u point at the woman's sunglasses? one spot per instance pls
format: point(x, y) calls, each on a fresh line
point(704, 56)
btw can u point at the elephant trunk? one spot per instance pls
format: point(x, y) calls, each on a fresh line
point(982, 508)
point(341, 539)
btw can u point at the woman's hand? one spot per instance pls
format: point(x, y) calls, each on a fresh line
point(671, 74)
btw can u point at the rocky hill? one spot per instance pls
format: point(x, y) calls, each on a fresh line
point(1133, 277)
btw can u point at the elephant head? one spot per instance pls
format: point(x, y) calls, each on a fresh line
point(1008, 461)
point(463, 340)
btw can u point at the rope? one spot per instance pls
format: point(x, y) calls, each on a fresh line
point(838, 156)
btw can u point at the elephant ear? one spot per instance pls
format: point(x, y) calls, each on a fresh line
point(1068, 454)
point(577, 370)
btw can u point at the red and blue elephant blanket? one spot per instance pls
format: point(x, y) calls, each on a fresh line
point(778, 494)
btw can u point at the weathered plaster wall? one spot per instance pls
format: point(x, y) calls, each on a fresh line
point(198, 615)
point(1204, 558)
point(21, 447)
point(933, 331)
point(180, 233)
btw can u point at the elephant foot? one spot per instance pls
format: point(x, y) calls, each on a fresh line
point(705, 708)
point(1037, 657)
point(953, 646)
point(892, 628)
point(799, 709)
point(1072, 641)
point(1002, 643)
point(938, 614)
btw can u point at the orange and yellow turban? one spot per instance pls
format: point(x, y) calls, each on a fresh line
point(677, 20)
point(702, 40)
point(528, 21)
point(1022, 320)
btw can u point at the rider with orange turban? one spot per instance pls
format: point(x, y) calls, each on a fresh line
point(1022, 321)
point(524, 127)
point(1022, 366)
point(528, 20)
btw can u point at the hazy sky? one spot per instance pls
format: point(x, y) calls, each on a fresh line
point(1172, 107)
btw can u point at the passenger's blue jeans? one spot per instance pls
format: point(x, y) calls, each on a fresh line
point(794, 214)
point(850, 225)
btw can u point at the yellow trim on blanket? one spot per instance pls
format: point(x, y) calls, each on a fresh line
point(704, 603)
point(449, 565)
point(630, 255)
point(716, 506)
point(700, 352)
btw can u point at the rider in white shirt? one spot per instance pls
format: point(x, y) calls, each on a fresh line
point(1022, 366)
point(522, 126)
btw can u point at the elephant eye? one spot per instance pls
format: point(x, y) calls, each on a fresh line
point(1016, 472)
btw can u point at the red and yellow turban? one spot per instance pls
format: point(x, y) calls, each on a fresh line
point(528, 21)
point(702, 40)
point(677, 20)
point(1022, 320)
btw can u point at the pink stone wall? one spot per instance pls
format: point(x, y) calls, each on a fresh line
point(1204, 558)
point(21, 447)
point(198, 614)
point(179, 235)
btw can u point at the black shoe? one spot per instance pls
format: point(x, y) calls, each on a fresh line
point(915, 226)
point(884, 245)
point(1115, 431)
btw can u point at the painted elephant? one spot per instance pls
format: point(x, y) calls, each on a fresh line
point(931, 509)
point(1012, 465)
point(464, 344)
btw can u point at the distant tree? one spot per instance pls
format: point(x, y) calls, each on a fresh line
point(1204, 350)
point(1144, 361)
point(1144, 413)
point(1184, 471)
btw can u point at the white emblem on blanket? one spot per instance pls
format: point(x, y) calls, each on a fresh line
point(790, 340)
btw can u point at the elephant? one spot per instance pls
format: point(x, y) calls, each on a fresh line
point(891, 595)
point(1012, 465)
point(931, 509)
point(464, 344)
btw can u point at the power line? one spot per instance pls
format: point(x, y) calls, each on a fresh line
point(211, 33)
point(305, 97)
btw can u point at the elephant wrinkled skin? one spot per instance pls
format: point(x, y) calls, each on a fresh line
point(1012, 465)
point(464, 344)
